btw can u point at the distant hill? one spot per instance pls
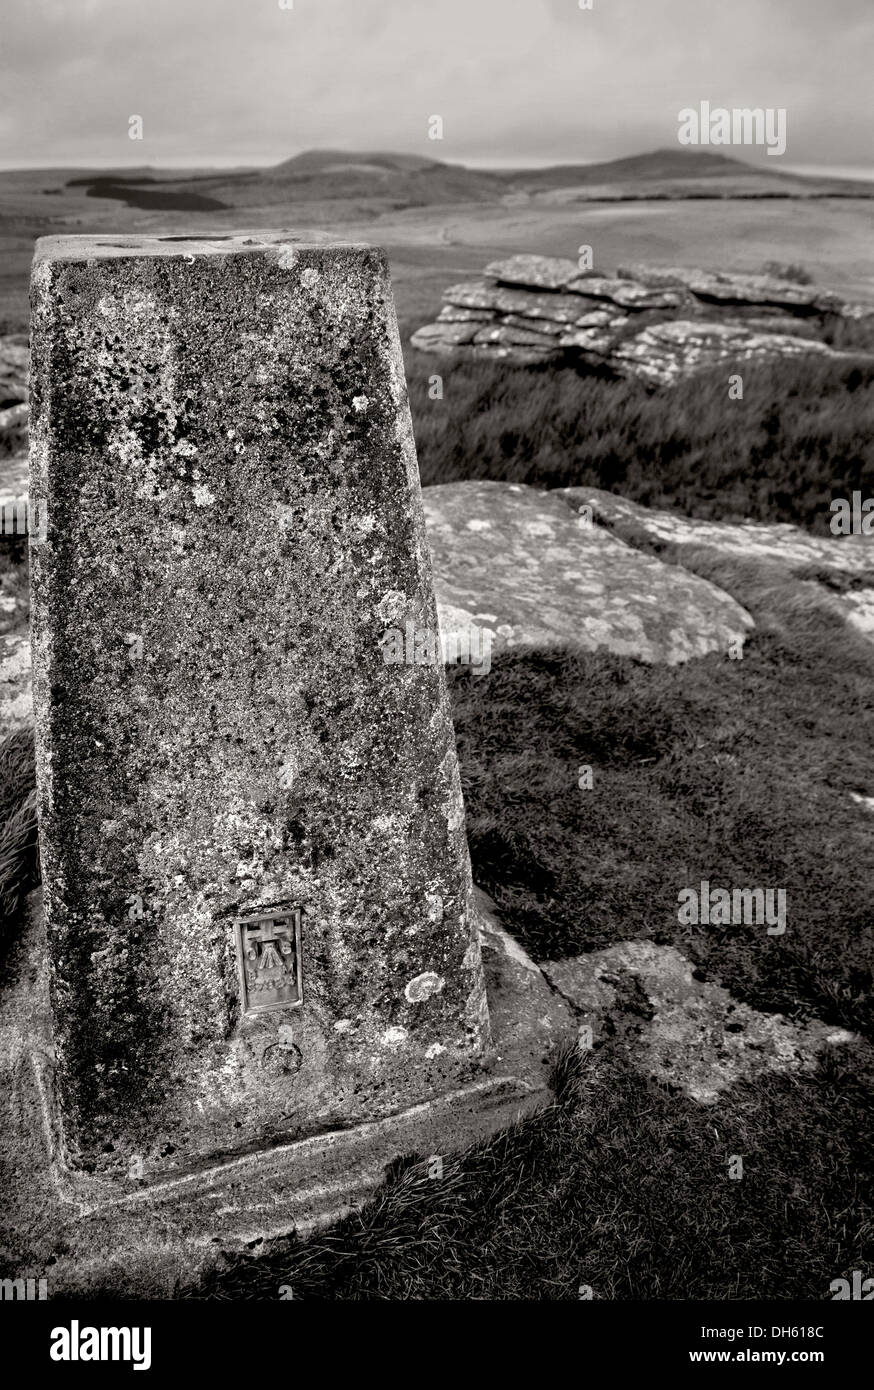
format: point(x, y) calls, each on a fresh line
point(315, 177)
point(372, 182)
point(681, 173)
point(405, 179)
point(658, 164)
point(337, 161)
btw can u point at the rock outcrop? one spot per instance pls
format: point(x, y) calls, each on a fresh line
point(518, 563)
point(778, 542)
point(666, 352)
point(688, 1036)
point(659, 325)
point(16, 692)
point(837, 570)
point(720, 287)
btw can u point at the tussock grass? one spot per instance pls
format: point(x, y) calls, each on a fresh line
point(19, 860)
point(14, 582)
point(803, 433)
point(618, 1186)
point(737, 772)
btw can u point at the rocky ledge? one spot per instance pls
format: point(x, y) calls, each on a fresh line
point(661, 325)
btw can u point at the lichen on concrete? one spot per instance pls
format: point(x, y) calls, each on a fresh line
point(222, 433)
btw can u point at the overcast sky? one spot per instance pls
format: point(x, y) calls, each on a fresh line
point(244, 81)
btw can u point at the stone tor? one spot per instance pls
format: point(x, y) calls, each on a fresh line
point(268, 972)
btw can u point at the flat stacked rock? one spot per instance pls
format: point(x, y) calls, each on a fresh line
point(723, 288)
point(667, 352)
point(659, 325)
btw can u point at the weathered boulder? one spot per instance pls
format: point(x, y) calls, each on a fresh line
point(776, 544)
point(512, 335)
point(477, 295)
point(453, 313)
point(686, 1035)
point(668, 352)
point(514, 354)
point(722, 285)
point(540, 272)
point(16, 692)
point(625, 293)
point(516, 562)
point(555, 273)
point(444, 337)
point(551, 327)
point(774, 321)
point(590, 340)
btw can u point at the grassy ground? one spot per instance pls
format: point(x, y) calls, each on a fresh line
point(803, 433)
point(618, 1187)
point(738, 772)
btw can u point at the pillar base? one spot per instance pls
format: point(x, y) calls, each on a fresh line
point(143, 1237)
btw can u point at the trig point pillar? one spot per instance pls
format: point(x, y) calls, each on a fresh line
point(257, 892)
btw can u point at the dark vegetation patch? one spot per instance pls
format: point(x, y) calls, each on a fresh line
point(803, 434)
point(19, 861)
point(734, 772)
point(157, 197)
point(14, 582)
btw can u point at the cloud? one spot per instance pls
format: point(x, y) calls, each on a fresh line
point(245, 80)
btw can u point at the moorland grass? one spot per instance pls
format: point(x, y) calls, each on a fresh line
point(803, 434)
point(19, 860)
point(737, 772)
point(618, 1186)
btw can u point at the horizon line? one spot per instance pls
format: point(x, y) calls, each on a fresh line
point(858, 172)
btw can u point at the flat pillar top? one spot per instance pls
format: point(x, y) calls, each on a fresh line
point(113, 247)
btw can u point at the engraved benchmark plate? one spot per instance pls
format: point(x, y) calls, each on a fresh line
point(268, 960)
